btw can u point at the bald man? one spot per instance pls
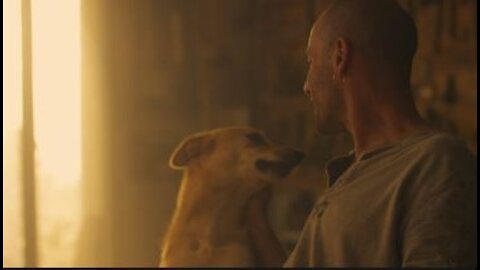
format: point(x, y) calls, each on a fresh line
point(405, 196)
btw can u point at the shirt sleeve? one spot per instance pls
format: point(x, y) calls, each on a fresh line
point(440, 220)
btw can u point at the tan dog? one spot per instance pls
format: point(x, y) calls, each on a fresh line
point(222, 169)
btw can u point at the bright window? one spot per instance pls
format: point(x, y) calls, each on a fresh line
point(56, 110)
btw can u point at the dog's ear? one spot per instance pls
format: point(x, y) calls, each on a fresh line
point(191, 148)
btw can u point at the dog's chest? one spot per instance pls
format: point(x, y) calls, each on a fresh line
point(197, 253)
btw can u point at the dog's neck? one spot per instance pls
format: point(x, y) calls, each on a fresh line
point(207, 219)
point(215, 209)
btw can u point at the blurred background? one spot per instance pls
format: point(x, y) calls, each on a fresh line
point(97, 94)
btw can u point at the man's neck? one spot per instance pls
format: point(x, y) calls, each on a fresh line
point(382, 124)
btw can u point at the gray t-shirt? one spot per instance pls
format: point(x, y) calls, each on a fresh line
point(408, 204)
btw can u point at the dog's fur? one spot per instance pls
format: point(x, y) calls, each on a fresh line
point(222, 169)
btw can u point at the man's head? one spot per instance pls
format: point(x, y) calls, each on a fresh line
point(352, 44)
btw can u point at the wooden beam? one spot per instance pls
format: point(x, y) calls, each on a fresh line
point(28, 164)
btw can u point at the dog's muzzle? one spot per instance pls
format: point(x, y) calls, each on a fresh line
point(281, 167)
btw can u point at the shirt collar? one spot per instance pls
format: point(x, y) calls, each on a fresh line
point(337, 165)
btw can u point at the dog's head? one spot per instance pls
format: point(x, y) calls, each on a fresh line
point(236, 154)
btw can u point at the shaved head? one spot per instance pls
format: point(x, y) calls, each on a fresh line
point(379, 29)
point(360, 55)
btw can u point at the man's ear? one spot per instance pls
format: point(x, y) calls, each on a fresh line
point(341, 57)
point(191, 148)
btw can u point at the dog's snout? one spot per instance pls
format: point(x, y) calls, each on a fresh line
point(297, 156)
point(292, 156)
point(286, 159)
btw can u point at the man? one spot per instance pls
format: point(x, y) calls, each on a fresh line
point(406, 194)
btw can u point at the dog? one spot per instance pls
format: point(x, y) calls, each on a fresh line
point(222, 169)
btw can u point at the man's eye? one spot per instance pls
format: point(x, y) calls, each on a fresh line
point(256, 139)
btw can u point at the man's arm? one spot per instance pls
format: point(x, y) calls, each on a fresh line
point(268, 250)
point(441, 224)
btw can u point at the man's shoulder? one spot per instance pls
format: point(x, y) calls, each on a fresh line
point(438, 161)
point(442, 152)
point(440, 144)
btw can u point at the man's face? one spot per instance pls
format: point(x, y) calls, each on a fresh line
point(320, 86)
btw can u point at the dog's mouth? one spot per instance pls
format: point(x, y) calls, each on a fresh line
point(279, 168)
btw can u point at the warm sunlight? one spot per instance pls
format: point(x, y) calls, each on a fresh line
point(56, 87)
point(56, 97)
point(12, 123)
point(56, 107)
point(12, 66)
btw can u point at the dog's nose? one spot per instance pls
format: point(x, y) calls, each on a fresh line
point(292, 156)
point(298, 156)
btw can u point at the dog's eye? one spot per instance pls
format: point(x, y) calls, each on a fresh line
point(256, 139)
